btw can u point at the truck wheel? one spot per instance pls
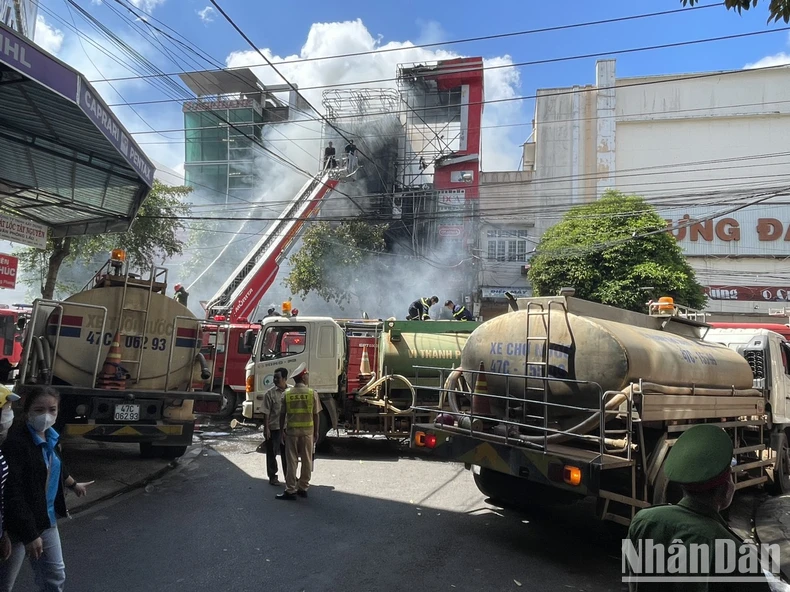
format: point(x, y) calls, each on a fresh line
point(781, 482)
point(324, 425)
point(228, 407)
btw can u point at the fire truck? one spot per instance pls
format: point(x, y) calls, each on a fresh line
point(229, 312)
point(12, 322)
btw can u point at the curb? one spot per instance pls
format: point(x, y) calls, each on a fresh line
point(192, 453)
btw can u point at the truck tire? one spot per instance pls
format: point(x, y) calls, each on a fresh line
point(229, 402)
point(781, 482)
point(324, 425)
point(520, 493)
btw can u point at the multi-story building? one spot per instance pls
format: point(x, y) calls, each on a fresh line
point(219, 159)
point(20, 15)
point(706, 149)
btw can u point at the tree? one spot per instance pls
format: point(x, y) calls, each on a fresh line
point(156, 234)
point(614, 251)
point(330, 260)
point(777, 9)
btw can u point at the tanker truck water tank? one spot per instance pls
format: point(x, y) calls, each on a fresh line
point(81, 338)
point(585, 348)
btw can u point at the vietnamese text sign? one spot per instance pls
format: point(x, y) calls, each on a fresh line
point(750, 293)
point(8, 268)
point(500, 292)
point(22, 231)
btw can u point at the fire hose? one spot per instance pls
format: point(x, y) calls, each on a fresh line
point(377, 401)
point(585, 427)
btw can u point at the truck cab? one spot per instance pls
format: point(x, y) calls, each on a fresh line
point(283, 342)
point(768, 354)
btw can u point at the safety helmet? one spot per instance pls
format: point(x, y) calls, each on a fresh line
point(177, 287)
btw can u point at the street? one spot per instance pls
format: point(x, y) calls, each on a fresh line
point(377, 519)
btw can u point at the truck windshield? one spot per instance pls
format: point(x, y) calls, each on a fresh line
point(282, 342)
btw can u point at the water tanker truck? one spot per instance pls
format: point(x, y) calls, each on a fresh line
point(364, 371)
point(125, 359)
point(564, 399)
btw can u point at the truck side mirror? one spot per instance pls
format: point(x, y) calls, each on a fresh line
point(249, 339)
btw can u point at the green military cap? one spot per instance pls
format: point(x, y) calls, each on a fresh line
point(701, 454)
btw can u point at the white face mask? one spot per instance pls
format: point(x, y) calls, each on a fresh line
point(41, 423)
point(6, 419)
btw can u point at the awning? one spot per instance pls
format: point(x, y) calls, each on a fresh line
point(65, 160)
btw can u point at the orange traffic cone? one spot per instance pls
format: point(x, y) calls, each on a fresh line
point(481, 405)
point(113, 375)
point(364, 364)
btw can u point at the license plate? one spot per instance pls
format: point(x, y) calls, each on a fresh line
point(127, 413)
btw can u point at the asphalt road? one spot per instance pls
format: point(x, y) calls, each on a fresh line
point(376, 519)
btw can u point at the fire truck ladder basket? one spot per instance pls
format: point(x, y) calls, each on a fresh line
point(285, 226)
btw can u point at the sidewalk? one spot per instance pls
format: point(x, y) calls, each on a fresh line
point(115, 468)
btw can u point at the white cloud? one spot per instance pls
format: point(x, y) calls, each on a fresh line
point(500, 152)
point(207, 14)
point(430, 32)
point(47, 36)
point(777, 59)
point(147, 5)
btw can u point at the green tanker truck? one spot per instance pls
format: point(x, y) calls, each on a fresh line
point(369, 374)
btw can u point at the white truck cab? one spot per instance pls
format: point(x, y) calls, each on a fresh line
point(768, 353)
point(286, 342)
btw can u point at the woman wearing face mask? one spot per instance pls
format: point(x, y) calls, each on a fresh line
point(6, 419)
point(34, 497)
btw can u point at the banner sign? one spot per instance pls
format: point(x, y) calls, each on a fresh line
point(751, 293)
point(8, 268)
point(22, 231)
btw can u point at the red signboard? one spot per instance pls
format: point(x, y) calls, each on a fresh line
point(760, 293)
point(8, 268)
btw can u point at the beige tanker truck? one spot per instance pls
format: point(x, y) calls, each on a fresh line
point(125, 358)
point(565, 398)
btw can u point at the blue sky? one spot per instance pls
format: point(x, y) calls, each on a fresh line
point(284, 31)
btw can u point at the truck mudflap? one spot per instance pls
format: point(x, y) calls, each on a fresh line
point(165, 434)
point(560, 467)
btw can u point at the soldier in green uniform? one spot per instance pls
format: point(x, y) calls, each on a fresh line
point(700, 462)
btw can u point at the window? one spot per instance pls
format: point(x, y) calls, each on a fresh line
point(507, 245)
point(243, 349)
point(283, 342)
point(9, 332)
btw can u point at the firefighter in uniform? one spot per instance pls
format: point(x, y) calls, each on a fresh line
point(299, 423)
point(418, 310)
point(700, 462)
point(181, 294)
point(459, 312)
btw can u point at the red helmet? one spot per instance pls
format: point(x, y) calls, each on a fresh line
point(177, 287)
point(294, 312)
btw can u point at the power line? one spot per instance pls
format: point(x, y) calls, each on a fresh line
point(453, 42)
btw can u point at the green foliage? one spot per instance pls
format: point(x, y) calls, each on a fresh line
point(331, 258)
point(777, 9)
point(593, 250)
point(156, 234)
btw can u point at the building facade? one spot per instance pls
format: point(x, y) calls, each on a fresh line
point(706, 149)
point(20, 15)
point(224, 132)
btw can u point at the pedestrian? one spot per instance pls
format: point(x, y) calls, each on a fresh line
point(700, 462)
point(34, 493)
point(419, 309)
point(351, 157)
point(329, 157)
point(272, 409)
point(299, 419)
point(459, 312)
point(6, 419)
point(181, 294)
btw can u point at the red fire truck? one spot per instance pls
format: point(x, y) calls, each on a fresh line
point(12, 323)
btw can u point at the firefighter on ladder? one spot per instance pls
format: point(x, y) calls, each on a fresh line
point(459, 312)
point(181, 294)
point(418, 310)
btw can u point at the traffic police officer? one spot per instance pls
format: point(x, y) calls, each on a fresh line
point(299, 419)
point(418, 310)
point(700, 462)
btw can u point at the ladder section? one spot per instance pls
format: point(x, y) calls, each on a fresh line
point(243, 289)
point(140, 337)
